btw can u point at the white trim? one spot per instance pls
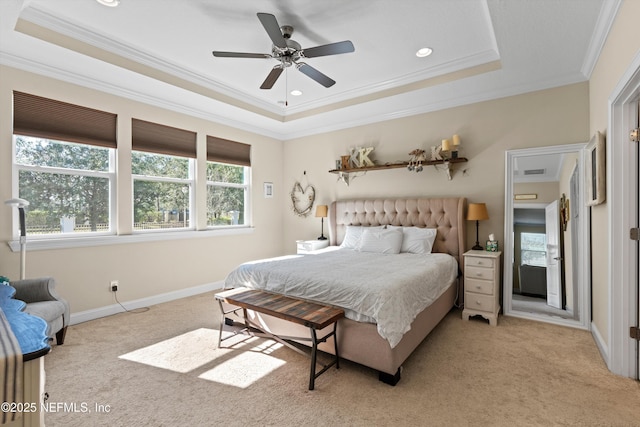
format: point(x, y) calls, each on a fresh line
point(607, 15)
point(155, 236)
point(584, 281)
point(621, 194)
point(96, 313)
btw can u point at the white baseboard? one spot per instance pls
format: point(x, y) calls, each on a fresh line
point(602, 346)
point(109, 310)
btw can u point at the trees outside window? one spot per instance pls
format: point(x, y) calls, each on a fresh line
point(68, 185)
point(227, 194)
point(161, 191)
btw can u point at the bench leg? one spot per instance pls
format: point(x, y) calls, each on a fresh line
point(314, 350)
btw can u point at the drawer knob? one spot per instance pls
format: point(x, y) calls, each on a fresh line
point(478, 303)
point(478, 287)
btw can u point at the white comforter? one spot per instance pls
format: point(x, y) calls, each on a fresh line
point(389, 290)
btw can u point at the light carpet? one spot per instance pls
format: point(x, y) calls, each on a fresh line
point(162, 368)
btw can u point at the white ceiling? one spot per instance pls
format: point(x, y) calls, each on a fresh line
point(159, 52)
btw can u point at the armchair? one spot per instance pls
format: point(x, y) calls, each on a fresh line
point(43, 301)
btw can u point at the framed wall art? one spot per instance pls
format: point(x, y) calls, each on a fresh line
point(595, 169)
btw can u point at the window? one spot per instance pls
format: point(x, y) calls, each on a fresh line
point(64, 156)
point(163, 178)
point(227, 194)
point(67, 185)
point(533, 249)
point(228, 182)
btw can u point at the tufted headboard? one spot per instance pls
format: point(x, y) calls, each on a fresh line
point(444, 214)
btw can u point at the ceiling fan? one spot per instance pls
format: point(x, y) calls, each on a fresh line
point(289, 52)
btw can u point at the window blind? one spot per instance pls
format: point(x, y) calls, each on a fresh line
point(161, 139)
point(48, 118)
point(226, 151)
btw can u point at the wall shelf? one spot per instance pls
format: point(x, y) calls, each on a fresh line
point(345, 174)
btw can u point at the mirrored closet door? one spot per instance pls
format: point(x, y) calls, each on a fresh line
point(546, 248)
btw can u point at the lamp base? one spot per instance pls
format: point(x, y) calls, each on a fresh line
point(477, 247)
point(322, 238)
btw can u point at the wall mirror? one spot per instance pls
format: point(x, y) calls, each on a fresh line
point(546, 237)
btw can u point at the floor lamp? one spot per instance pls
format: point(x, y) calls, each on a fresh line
point(477, 212)
point(21, 204)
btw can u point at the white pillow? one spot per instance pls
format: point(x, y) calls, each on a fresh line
point(417, 240)
point(381, 241)
point(352, 236)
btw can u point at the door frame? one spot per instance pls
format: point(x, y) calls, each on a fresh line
point(620, 353)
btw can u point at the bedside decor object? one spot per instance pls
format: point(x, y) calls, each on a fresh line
point(477, 212)
point(321, 212)
point(21, 204)
point(596, 177)
point(492, 246)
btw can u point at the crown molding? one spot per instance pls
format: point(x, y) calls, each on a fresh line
point(604, 23)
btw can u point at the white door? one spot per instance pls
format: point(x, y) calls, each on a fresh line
point(552, 226)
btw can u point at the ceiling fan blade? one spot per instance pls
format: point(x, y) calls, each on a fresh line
point(316, 75)
point(270, 23)
point(272, 77)
point(219, 54)
point(329, 49)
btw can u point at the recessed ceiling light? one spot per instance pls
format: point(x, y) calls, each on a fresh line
point(110, 3)
point(425, 51)
point(296, 92)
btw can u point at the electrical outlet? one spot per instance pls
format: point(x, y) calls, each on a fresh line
point(113, 286)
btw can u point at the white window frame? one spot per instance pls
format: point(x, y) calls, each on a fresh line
point(110, 175)
point(246, 186)
point(188, 182)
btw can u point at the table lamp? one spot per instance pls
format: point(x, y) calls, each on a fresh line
point(321, 212)
point(477, 212)
point(21, 204)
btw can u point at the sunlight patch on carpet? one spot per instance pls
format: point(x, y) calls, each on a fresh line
point(183, 353)
point(244, 369)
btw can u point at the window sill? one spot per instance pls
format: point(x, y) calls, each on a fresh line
point(80, 242)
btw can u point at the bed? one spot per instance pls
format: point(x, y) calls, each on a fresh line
point(382, 327)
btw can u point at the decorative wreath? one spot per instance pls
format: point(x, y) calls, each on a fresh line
point(302, 199)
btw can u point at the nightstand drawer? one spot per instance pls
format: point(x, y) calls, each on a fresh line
point(309, 246)
point(471, 261)
point(478, 273)
point(479, 286)
point(479, 302)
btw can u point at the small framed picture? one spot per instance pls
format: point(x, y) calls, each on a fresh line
point(268, 190)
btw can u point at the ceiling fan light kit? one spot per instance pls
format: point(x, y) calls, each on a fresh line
point(289, 52)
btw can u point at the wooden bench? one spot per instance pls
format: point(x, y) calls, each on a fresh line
point(310, 314)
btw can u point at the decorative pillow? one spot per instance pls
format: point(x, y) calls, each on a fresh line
point(381, 241)
point(353, 234)
point(417, 240)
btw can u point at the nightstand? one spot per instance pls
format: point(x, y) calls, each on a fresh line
point(310, 246)
point(482, 285)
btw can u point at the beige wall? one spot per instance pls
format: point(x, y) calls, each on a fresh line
point(487, 129)
point(620, 48)
point(143, 269)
